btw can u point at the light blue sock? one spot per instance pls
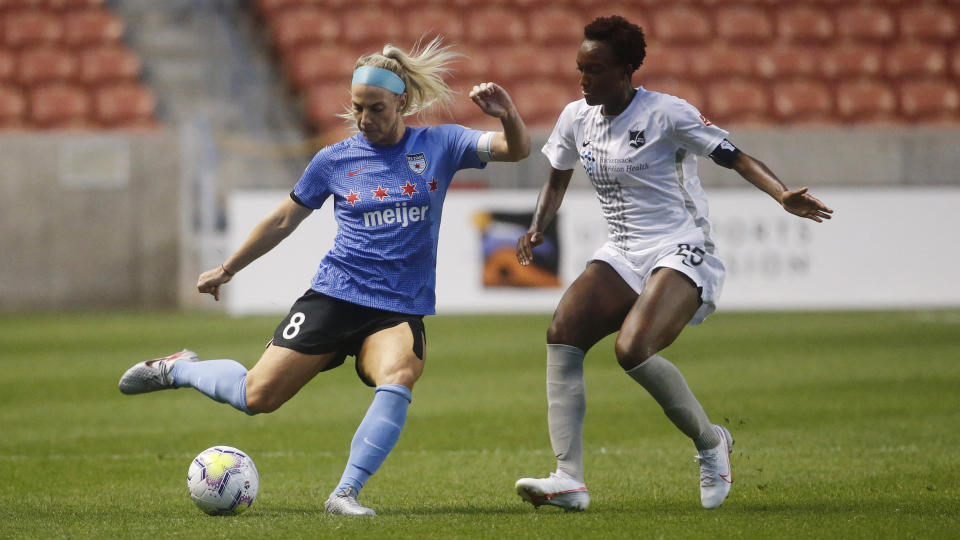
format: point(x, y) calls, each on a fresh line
point(377, 434)
point(222, 380)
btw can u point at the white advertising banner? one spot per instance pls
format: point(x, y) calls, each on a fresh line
point(885, 248)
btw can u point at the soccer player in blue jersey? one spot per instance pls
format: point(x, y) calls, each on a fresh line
point(372, 289)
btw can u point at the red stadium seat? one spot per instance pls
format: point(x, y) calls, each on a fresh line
point(66, 5)
point(915, 60)
point(61, 105)
point(929, 100)
point(743, 25)
point(668, 61)
point(929, 22)
point(680, 88)
point(847, 61)
point(737, 101)
point(527, 61)
point(722, 62)
point(779, 62)
point(802, 101)
point(324, 101)
point(91, 27)
point(13, 5)
point(956, 64)
point(865, 100)
point(557, 25)
point(317, 63)
point(44, 65)
point(540, 102)
point(124, 105)
point(8, 64)
point(495, 26)
point(804, 24)
point(427, 22)
point(865, 23)
point(109, 64)
point(371, 27)
point(679, 24)
point(298, 27)
point(13, 107)
point(474, 64)
point(270, 8)
point(31, 28)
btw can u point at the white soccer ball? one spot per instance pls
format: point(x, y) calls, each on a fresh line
point(223, 481)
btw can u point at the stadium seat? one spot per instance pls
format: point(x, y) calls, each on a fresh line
point(316, 63)
point(41, 65)
point(865, 100)
point(324, 101)
point(126, 105)
point(271, 8)
point(668, 62)
point(736, 101)
point(61, 105)
point(13, 5)
point(476, 63)
point(929, 100)
point(802, 100)
point(516, 62)
point(555, 25)
point(371, 27)
point(956, 65)
point(109, 64)
point(804, 24)
point(711, 63)
point(8, 65)
point(66, 5)
point(428, 22)
point(91, 27)
point(303, 26)
point(916, 60)
point(929, 22)
point(866, 23)
point(31, 28)
point(743, 25)
point(540, 102)
point(846, 61)
point(779, 62)
point(680, 88)
point(680, 24)
point(13, 107)
point(495, 26)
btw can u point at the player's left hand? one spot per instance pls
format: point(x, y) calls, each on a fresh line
point(211, 280)
point(492, 99)
point(800, 203)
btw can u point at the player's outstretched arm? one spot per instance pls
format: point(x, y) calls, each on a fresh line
point(797, 201)
point(513, 143)
point(265, 236)
point(548, 202)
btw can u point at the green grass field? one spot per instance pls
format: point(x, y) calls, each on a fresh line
point(846, 426)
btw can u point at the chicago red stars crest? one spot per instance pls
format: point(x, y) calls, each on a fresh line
point(417, 162)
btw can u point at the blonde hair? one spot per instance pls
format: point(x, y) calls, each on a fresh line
point(422, 71)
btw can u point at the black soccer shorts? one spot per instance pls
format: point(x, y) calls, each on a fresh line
point(321, 324)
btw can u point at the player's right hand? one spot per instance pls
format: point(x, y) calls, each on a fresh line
point(525, 245)
point(211, 280)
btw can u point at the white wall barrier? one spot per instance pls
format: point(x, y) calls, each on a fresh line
point(885, 248)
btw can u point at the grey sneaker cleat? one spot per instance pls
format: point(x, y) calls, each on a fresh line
point(716, 476)
point(154, 374)
point(344, 502)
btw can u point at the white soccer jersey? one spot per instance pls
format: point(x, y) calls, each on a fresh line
point(643, 165)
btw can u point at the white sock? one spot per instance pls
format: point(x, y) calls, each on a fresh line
point(566, 407)
point(666, 384)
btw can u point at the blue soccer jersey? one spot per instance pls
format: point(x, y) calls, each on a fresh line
point(387, 202)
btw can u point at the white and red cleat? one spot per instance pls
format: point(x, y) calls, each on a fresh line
point(716, 477)
point(558, 489)
point(153, 375)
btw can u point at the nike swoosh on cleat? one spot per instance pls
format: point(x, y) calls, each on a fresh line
point(725, 479)
point(354, 173)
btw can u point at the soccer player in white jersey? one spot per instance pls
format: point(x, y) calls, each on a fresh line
point(372, 289)
point(659, 269)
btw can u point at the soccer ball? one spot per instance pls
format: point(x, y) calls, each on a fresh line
point(223, 481)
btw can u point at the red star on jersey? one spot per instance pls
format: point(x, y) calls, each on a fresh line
point(380, 193)
point(433, 185)
point(409, 189)
point(353, 198)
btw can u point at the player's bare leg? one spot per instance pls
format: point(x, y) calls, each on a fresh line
point(393, 360)
point(592, 308)
point(668, 302)
point(279, 375)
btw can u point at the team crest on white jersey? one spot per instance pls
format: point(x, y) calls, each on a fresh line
point(637, 138)
point(417, 162)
